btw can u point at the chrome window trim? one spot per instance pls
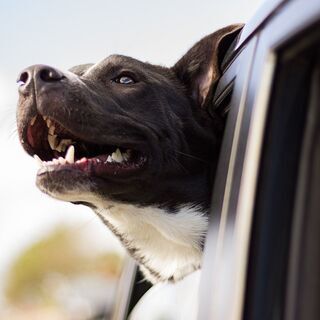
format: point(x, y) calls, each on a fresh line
point(125, 288)
point(210, 292)
point(267, 9)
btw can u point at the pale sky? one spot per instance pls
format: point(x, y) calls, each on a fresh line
point(66, 33)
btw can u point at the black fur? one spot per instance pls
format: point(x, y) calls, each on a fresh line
point(161, 115)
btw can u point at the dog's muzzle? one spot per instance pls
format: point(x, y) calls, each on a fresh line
point(39, 76)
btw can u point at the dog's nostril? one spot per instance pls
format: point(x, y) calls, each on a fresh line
point(50, 75)
point(23, 78)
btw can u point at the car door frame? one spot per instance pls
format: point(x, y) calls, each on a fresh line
point(224, 276)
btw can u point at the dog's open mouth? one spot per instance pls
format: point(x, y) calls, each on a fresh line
point(55, 149)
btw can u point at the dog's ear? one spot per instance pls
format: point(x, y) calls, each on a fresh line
point(199, 68)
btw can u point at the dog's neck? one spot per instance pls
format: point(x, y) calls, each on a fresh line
point(167, 245)
point(166, 240)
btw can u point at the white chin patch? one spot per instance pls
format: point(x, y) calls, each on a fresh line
point(167, 245)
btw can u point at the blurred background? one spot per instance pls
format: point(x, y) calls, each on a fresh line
point(58, 261)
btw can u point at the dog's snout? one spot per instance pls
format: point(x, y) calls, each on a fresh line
point(38, 75)
point(48, 74)
point(24, 80)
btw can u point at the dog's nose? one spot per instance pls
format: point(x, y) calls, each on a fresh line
point(39, 75)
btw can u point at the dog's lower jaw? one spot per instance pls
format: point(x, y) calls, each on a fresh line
point(167, 246)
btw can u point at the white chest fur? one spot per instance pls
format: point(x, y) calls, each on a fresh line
point(168, 245)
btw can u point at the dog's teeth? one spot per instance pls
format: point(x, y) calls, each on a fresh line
point(62, 160)
point(55, 161)
point(38, 160)
point(44, 118)
point(84, 159)
point(46, 169)
point(49, 123)
point(109, 159)
point(117, 156)
point(51, 130)
point(33, 120)
point(70, 154)
point(64, 143)
point(53, 141)
point(60, 147)
point(126, 155)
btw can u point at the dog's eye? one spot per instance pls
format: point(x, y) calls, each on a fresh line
point(124, 80)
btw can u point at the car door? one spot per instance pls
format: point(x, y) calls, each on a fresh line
point(262, 250)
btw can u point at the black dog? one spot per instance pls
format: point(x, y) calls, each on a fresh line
point(132, 141)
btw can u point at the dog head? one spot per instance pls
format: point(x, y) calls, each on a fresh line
point(138, 132)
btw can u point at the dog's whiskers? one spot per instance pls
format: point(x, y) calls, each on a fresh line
point(180, 165)
point(192, 156)
point(13, 133)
